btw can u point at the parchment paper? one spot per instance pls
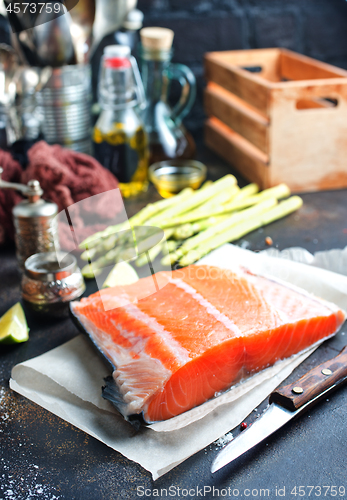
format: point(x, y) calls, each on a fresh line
point(67, 380)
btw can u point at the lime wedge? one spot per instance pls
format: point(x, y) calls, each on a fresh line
point(13, 326)
point(122, 274)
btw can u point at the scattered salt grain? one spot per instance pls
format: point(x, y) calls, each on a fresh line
point(29, 487)
point(2, 394)
point(222, 441)
point(245, 244)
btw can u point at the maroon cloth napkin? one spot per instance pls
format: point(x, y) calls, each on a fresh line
point(8, 197)
point(66, 177)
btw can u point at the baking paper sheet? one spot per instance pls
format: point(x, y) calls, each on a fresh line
point(67, 380)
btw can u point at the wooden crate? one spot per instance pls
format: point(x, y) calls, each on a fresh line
point(278, 116)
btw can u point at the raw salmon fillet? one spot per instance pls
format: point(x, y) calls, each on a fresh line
point(204, 331)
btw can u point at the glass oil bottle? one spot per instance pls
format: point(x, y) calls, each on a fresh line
point(168, 138)
point(119, 136)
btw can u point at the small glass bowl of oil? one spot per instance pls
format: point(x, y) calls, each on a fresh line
point(171, 176)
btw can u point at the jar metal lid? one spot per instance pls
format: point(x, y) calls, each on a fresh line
point(50, 266)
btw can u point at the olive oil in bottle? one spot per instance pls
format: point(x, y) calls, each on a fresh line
point(168, 138)
point(120, 140)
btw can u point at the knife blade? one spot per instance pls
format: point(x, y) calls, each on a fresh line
point(285, 404)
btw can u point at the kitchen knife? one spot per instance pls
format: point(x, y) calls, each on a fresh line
point(286, 403)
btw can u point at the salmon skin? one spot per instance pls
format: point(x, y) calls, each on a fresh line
point(205, 330)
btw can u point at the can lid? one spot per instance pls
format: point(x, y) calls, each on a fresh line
point(133, 20)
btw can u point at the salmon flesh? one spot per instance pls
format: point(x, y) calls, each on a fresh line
point(205, 330)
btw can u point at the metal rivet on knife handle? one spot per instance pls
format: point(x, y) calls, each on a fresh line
point(326, 371)
point(313, 383)
point(311, 387)
point(297, 390)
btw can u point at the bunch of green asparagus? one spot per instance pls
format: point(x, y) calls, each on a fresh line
point(194, 223)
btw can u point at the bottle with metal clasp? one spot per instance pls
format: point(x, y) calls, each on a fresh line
point(120, 139)
point(36, 229)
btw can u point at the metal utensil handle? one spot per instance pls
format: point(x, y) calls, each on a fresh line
point(313, 383)
point(187, 81)
point(32, 189)
point(11, 185)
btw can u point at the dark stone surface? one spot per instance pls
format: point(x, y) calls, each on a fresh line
point(44, 457)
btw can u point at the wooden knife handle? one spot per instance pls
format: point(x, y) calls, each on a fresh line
point(313, 383)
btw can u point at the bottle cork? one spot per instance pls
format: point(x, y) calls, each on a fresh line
point(154, 38)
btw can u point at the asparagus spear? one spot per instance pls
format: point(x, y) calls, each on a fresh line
point(201, 196)
point(172, 245)
point(190, 228)
point(220, 198)
point(94, 268)
point(104, 245)
point(215, 203)
point(153, 252)
point(96, 247)
point(278, 192)
point(203, 212)
point(206, 184)
point(109, 242)
point(246, 191)
point(150, 210)
point(237, 231)
point(201, 238)
point(241, 201)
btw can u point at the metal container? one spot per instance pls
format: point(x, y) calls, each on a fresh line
point(50, 281)
point(65, 107)
point(34, 221)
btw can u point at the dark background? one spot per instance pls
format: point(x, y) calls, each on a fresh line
point(317, 28)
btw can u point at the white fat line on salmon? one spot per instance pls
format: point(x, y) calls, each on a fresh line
point(180, 354)
point(210, 309)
